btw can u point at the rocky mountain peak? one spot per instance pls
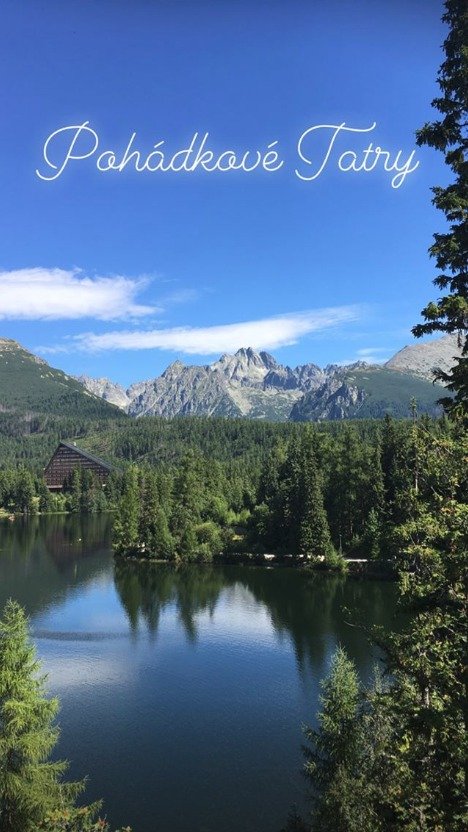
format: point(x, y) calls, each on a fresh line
point(254, 384)
point(174, 369)
point(268, 360)
point(245, 366)
point(108, 390)
point(9, 343)
point(249, 356)
point(421, 358)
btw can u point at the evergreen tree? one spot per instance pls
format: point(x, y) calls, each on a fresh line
point(372, 537)
point(75, 490)
point(374, 488)
point(348, 486)
point(269, 478)
point(163, 542)
point(314, 533)
point(30, 785)
point(287, 508)
point(149, 502)
point(45, 497)
point(344, 756)
point(334, 752)
point(92, 495)
point(428, 701)
point(126, 524)
point(23, 492)
point(450, 249)
point(187, 502)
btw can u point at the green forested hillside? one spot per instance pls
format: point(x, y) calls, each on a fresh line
point(391, 392)
point(30, 385)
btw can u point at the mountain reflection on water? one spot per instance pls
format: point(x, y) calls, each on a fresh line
point(182, 690)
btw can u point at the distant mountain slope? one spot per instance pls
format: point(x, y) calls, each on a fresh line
point(245, 384)
point(248, 384)
point(110, 391)
point(420, 359)
point(254, 385)
point(364, 391)
point(29, 384)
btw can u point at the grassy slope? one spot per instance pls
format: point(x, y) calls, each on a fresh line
point(391, 392)
point(29, 385)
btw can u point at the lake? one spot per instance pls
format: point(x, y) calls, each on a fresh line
point(183, 691)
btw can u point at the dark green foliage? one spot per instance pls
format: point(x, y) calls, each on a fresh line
point(343, 756)
point(393, 759)
point(85, 494)
point(449, 313)
point(324, 493)
point(30, 785)
point(371, 541)
point(33, 794)
point(171, 517)
point(30, 386)
point(314, 534)
point(18, 490)
point(333, 745)
point(22, 492)
point(428, 701)
point(247, 481)
point(126, 529)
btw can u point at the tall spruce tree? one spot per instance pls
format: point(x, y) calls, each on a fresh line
point(449, 313)
point(75, 485)
point(314, 534)
point(31, 786)
point(349, 489)
point(287, 512)
point(428, 701)
point(125, 532)
point(149, 504)
point(339, 756)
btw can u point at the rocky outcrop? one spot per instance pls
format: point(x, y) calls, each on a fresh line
point(255, 385)
point(235, 385)
point(421, 359)
point(107, 390)
point(336, 399)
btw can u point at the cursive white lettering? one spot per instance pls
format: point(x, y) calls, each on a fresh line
point(79, 142)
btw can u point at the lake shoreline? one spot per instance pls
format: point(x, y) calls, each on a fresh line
point(354, 568)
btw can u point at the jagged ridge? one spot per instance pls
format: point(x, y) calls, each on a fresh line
point(255, 385)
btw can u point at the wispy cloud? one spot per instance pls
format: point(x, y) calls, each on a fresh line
point(53, 294)
point(371, 355)
point(180, 296)
point(266, 333)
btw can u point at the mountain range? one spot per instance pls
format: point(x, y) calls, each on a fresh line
point(255, 385)
point(249, 384)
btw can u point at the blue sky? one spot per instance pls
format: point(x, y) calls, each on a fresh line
point(120, 272)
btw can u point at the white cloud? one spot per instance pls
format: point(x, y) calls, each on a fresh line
point(266, 333)
point(371, 351)
point(52, 294)
point(371, 355)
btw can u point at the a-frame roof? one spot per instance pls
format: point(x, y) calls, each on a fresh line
point(86, 455)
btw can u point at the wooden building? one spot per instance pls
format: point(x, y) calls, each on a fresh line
point(66, 459)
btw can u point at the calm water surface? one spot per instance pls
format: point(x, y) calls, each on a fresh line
point(182, 691)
